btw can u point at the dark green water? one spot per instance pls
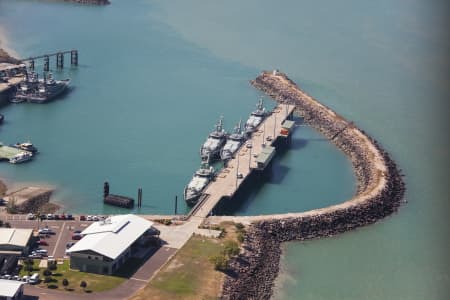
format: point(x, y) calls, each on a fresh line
point(155, 76)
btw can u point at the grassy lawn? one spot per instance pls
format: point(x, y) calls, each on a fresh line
point(95, 283)
point(190, 274)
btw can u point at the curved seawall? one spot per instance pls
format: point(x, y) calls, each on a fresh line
point(380, 189)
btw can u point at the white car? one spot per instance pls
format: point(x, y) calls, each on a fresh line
point(25, 278)
point(95, 218)
point(45, 231)
point(31, 216)
point(89, 218)
point(249, 144)
point(50, 216)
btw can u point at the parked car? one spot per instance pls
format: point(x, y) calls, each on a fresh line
point(42, 243)
point(69, 244)
point(76, 236)
point(25, 278)
point(45, 231)
point(82, 218)
point(31, 216)
point(69, 217)
point(95, 218)
point(35, 255)
point(89, 218)
point(56, 217)
point(77, 231)
point(34, 279)
point(62, 217)
point(43, 217)
point(249, 144)
point(50, 216)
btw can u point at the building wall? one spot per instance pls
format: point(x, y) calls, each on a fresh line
point(91, 263)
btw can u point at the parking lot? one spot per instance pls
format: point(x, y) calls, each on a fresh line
point(62, 229)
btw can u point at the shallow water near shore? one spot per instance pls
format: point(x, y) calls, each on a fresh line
point(149, 89)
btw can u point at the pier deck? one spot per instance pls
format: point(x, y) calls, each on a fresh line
point(227, 181)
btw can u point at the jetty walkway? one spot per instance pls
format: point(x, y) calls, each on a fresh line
point(244, 162)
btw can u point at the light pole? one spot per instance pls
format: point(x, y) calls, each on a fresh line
point(275, 124)
point(237, 170)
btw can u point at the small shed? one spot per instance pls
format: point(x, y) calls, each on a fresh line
point(264, 158)
point(286, 128)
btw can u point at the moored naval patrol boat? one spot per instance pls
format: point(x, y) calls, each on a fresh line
point(234, 141)
point(40, 90)
point(256, 117)
point(210, 150)
point(198, 183)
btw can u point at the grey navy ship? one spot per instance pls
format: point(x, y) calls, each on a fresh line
point(256, 117)
point(198, 183)
point(210, 150)
point(234, 141)
point(42, 91)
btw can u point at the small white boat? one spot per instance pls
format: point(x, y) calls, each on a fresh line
point(21, 157)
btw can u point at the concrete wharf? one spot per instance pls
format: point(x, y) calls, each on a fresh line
point(244, 162)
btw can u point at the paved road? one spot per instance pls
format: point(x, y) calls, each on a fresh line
point(123, 291)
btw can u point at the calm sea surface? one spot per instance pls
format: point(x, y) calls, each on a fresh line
point(154, 77)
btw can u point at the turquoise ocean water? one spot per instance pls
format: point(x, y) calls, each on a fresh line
point(154, 77)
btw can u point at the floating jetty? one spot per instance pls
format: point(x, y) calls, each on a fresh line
point(254, 155)
point(116, 200)
point(7, 152)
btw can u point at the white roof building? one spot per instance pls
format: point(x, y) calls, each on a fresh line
point(112, 236)
point(15, 240)
point(11, 289)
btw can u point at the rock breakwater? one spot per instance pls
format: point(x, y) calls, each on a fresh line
point(380, 189)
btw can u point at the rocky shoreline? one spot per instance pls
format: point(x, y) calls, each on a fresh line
point(380, 189)
point(6, 58)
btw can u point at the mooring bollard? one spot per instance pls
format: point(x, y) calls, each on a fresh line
point(59, 60)
point(74, 57)
point(31, 66)
point(46, 63)
point(105, 189)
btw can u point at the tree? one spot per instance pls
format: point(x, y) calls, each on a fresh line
point(239, 226)
point(83, 285)
point(65, 283)
point(220, 262)
point(231, 248)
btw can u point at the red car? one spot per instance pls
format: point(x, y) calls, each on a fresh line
point(82, 218)
point(42, 242)
point(62, 217)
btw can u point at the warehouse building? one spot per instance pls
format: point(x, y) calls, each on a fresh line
point(107, 245)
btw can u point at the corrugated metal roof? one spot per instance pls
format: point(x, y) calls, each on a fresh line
point(288, 124)
point(15, 236)
point(266, 155)
point(8, 288)
point(112, 236)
